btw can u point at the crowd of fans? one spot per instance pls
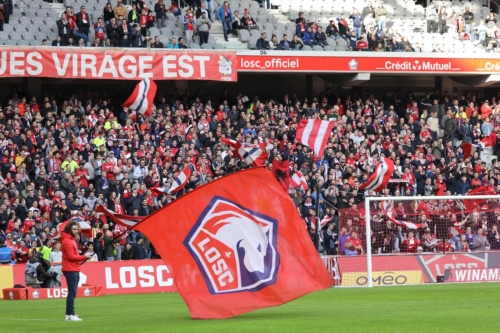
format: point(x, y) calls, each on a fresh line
point(64, 155)
point(368, 31)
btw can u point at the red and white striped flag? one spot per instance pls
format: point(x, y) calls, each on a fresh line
point(125, 220)
point(389, 212)
point(254, 154)
point(178, 184)
point(322, 223)
point(142, 97)
point(299, 181)
point(469, 149)
point(381, 176)
point(85, 228)
point(314, 134)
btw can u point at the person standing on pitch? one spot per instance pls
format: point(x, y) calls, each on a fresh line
point(71, 262)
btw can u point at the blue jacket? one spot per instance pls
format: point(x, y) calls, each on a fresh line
point(5, 254)
point(463, 187)
point(309, 38)
point(220, 14)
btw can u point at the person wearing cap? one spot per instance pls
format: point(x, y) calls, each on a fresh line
point(247, 22)
point(139, 250)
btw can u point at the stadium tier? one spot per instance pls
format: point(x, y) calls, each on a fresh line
point(388, 26)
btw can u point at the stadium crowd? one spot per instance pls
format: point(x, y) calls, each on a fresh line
point(64, 155)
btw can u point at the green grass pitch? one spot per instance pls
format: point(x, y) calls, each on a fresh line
point(427, 308)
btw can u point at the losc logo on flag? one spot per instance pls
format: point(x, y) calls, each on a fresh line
point(235, 248)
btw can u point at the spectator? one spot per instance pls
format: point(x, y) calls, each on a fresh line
point(248, 22)
point(126, 33)
point(263, 42)
point(226, 17)
point(128, 253)
point(83, 24)
point(380, 16)
point(91, 252)
point(173, 44)
point(139, 250)
point(442, 17)
point(2, 16)
point(357, 22)
point(410, 244)
point(296, 43)
point(161, 14)
point(309, 37)
point(58, 42)
point(120, 10)
point(203, 9)
point(133, 15)
point(5, 252)
point(108, 13)
point(332, 31)
point(353, 245)
point(301, 28)
point(203, 27)
point(100, 31)
point(274, 43)
point(56, 255)
point(98, 247)
point(180, 43)
point(480, 241)
point(370, 23)
point(468, 17)
point(189, 24)
point(63, 28)
point(236, 25)
point(368, 9)
point(431, 16)
point(285, 43)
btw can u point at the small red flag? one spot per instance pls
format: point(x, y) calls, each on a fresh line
point(239, 246)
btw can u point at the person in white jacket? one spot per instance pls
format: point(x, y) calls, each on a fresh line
point(369, 22)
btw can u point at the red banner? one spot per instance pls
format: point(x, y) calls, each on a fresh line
point(472, 275)
point(364, 62)
point(120, 277)
point(410, 268)
point(124, 64)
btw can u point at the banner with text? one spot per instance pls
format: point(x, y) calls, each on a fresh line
point(396, 269)
point(355, 62)
point(118, 64)
point(119, 277)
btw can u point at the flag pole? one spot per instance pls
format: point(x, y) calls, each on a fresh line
point(316, 236)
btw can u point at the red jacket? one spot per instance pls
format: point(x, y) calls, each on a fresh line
point(71, 259)
point(412, 248)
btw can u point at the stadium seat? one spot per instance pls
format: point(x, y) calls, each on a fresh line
point(243, 35)
point(207, 46)
point(218, 46)
point(10, 42)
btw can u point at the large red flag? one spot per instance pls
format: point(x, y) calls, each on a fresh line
point(239, 246)
point(473, 204)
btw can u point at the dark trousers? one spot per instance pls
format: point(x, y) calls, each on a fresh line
point(72, 279)
point(431, 26)
point(203, 37)
point(6, 18)
point(1, 25)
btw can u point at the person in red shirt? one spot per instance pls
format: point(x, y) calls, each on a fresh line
point(71, 263)
point(410, 244)
point(440, 185)
point(82, 174)
point(353, 245)
point(109, 168)
point(486, 109)
point(22, 252)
